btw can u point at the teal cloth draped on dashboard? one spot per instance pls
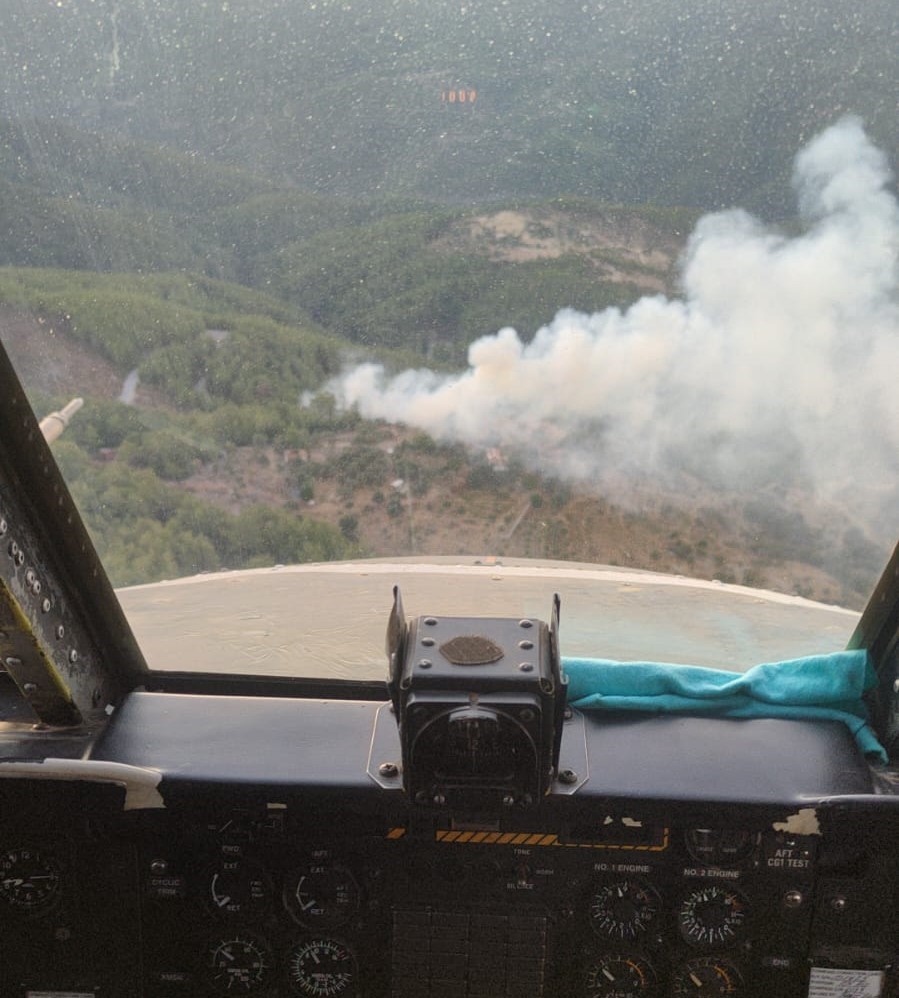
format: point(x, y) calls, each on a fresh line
point(823, 687)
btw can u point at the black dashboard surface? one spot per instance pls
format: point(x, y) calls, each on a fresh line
point(271, 741)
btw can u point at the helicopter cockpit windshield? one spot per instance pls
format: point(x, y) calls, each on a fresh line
point(558, 343)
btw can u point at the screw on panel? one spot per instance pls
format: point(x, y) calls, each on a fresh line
point(60, 632)
point(431, 621)
point(13, 662)
point(4, 526)
point(30, 577)
point(425, 663)
point(526, 645)
point(525, 667)
point(568, 776)
point(525, 623)
point(29, 688)
point(838, 903)
point(73, 656)
point(388, 769)
point(428, 642)
point(793, 899)
point(46, 605)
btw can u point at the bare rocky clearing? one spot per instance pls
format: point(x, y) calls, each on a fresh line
point(623, 249)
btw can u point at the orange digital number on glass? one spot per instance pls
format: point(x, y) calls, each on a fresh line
point(460, 95)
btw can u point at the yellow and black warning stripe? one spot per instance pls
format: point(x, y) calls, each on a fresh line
point(534, 839)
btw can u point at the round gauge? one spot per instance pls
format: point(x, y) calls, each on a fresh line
point(29, 879)
point(719, 846)
point(623, 910)
point(321, 967)
point(709, 976)
point(240, 965)
point(620, 977)
point(713, 915)
point(238, 889)
point(321, 895)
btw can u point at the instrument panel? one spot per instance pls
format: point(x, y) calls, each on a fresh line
point(214, 846)
point(303, 896)
point(406, 912)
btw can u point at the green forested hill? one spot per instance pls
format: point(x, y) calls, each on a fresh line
point(384, 271)
point(703, 102)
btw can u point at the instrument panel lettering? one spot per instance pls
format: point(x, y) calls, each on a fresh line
point(622, 868)
point(711, 872)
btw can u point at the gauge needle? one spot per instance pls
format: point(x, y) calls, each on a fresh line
point(696, 980)
point(608, 973)
point(221, 902)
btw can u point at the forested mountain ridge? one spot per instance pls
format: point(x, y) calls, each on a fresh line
point(711, 99)
point(403, 274)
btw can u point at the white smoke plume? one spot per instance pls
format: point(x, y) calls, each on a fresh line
point(780, 362)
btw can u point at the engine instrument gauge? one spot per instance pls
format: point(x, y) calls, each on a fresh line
point(238, 889)
point(707, 976)
point(321, 895)
point(720, 846)
point(712, 915)
point(29, 879)
point(623, 910)
point(620, 977)
point(322, 967)
point(239, 965)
